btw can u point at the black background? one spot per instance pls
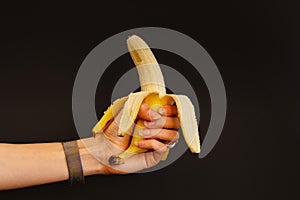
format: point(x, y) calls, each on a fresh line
point(255, 45)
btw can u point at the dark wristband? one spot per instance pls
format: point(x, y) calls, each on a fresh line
point(74, 162)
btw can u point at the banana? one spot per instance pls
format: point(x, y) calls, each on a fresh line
point(153, 92)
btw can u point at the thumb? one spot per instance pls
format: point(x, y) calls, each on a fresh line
point(111, 133)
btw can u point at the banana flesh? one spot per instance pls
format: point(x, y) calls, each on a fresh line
point(153, 92)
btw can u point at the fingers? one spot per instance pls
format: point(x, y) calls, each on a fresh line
point(152, 144)
point(161, 134)
point(146, 113)
point(168, 111)
point(111, 133)
point(153, 157)
point(164, 122)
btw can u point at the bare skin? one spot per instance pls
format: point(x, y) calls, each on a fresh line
point(23, 165)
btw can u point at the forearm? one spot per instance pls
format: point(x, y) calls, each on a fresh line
point(23, 165)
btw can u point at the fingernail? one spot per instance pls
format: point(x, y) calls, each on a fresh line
point(148, 123)
point(154, 115)
point(145, 132)
point(141, 133)
point(161, 111)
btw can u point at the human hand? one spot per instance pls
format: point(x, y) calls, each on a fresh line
point(161, 130)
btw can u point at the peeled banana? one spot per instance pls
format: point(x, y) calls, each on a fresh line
point(153, 92)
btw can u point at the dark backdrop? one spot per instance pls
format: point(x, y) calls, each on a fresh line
point(255, 45)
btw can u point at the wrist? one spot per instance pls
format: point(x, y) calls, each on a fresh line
point(90, 165)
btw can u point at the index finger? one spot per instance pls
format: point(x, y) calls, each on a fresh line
point(168, 111)
point(146, 113)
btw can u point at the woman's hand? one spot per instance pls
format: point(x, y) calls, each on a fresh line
point(23, 165)
point(160, 130)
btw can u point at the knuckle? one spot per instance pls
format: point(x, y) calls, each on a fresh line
point(162, 149)
point(167, 110)
point(173, 136)
point(156, 132)
point(163, 121)
point(143, 107)
point(153, 144)
point(143, 110)
point(176, 136)
point(177, 123)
